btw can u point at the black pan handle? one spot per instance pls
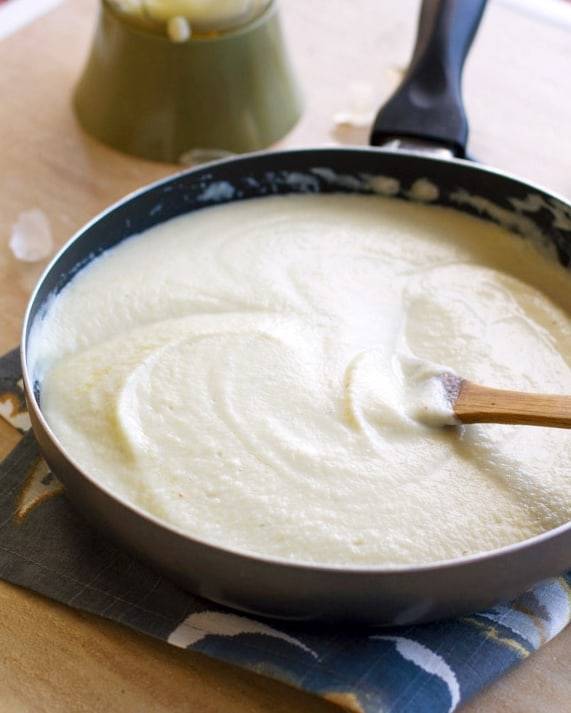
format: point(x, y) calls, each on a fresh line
point(428, 104)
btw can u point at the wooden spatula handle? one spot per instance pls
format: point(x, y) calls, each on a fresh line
point(480, 404)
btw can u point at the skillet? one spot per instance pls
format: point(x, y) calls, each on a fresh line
point(417, 152)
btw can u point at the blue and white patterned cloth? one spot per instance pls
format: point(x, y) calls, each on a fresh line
point(45, 546)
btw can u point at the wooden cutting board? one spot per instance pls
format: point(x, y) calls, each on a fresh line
point(517, 88)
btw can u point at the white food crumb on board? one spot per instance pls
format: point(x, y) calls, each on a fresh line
point(178, 29)
point(31, 236)
point(361, 106)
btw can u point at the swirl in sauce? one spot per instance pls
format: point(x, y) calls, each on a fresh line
point(242, 373)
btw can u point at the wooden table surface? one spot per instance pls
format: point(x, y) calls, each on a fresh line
point(517, 94)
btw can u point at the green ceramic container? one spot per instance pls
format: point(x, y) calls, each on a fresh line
point(145, 95)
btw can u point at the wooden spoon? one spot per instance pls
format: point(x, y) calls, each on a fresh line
point(473, 403)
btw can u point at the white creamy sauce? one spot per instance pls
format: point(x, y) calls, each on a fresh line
point(250, 373)
point(426, 397)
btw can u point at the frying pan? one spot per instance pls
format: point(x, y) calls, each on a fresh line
point(426, 113)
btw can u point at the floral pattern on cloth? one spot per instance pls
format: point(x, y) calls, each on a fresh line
point(434, 668)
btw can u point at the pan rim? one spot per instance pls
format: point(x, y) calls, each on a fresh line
point(261, 559)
